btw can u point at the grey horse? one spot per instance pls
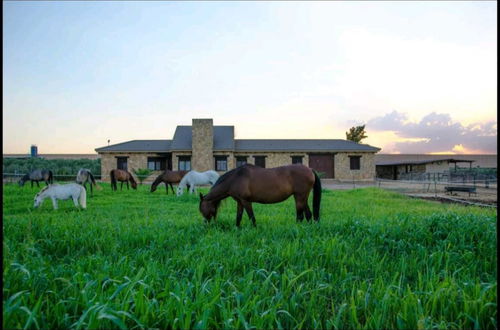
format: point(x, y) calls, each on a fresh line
point(36, 176)
point(84, 175)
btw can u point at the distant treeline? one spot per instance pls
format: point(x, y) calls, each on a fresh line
point(57, 166)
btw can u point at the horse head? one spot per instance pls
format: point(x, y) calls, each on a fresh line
point(23, 180)
point(208, 208)
point(37, 201)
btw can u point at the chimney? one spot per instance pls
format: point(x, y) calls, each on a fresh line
point(202, 132)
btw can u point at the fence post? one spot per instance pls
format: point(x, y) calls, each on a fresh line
point(435, 189)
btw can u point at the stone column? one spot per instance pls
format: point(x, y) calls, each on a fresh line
point(202, 145)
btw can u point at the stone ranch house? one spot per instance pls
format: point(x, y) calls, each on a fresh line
point(203, 146)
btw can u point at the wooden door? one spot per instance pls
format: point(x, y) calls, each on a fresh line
point(322, 163)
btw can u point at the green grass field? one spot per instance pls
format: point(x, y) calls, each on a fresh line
point(139, 260)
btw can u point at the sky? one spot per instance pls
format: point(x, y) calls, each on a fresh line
point(422, 76)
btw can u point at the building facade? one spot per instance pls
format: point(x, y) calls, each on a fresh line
point(203, 146)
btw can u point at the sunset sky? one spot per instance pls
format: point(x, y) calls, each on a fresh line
point(422, 76)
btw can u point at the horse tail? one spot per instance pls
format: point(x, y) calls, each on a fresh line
point(113, 179)
point(92, 180)
point(82, 199)
point(316, 196)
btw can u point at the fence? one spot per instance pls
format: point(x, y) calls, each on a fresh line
point(452, 176)
point(435, 186)
point(14, 177)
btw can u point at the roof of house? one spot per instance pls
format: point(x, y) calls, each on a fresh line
point(481, 160)
point(139, 146)
point(224, 141)
point(223, 138)
point(302, 145)
point(421, 162)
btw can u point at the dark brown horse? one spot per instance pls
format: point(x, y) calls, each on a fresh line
point(248, 183)
point(168, 177)
point(122, 176)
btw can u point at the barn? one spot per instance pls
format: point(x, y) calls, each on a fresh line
point(409, 168)
point(203, 146)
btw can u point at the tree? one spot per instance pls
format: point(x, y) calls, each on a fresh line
point(142, 173)
point(356, 134)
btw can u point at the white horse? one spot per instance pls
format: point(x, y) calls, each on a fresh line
point(194, 178)
point(62, 191)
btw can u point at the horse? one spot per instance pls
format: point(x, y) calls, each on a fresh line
point(36, 176)
point(168, 177)
point(194, 178)
point(62, 192)
point(83, 176)
point(122, 176)
point(249, 184)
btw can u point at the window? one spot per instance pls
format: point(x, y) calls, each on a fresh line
point(121, 163)
point(156, 163)
point(260, 161)
point(297, 159)
point(355, 162)
point(221, 163)
point(184, 163)
point(241, 160)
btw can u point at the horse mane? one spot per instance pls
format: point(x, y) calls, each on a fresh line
point(159, 178)
point(131, 177)
point(235, 171)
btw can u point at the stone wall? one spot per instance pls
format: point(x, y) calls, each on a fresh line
point(437, 167)
point(134, 161)
point(344, 173)
point(202, 145)
point(273, 159)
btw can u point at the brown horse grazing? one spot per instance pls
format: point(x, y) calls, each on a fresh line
point(248, 183)
point(168, 177)
point(122, 176)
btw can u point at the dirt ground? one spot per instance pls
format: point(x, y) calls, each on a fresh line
point(486, 196)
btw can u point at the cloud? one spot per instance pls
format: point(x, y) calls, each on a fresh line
point(436, 133)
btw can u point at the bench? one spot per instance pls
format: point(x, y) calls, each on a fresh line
point(451, 189)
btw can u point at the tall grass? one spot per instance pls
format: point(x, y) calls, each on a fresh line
point(136, 259)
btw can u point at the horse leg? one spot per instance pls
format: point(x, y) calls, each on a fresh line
point(54, 203)
point(91, 191)
point(75, 201)
point(248, 208)
point(171, 187)
point(191, 189)
point(166, 187)
point(239, 214)
point(121, 186)
point(299, 206)
point(308, 213)
point(127, 186)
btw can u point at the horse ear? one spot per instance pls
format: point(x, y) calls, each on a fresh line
point(201, 196)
